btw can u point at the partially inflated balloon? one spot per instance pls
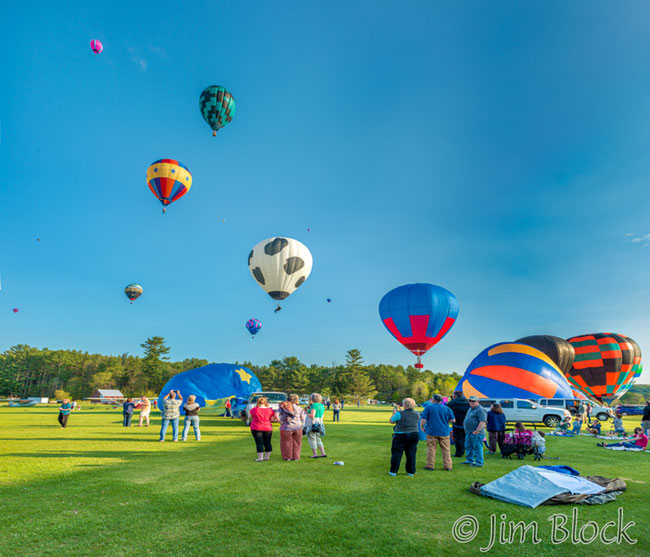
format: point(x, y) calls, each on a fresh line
point(168, 180)
point(418, 315)
point(217, 107)
point(133, 291)
point(280, 265)
point(511, 370)
point(556, 348)
point(96, 46)
point(578, 394)
point(253, 326)
point(599, 363)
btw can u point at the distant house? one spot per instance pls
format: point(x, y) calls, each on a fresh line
point(106, 394)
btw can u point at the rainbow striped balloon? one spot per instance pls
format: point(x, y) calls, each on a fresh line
point(514, 370)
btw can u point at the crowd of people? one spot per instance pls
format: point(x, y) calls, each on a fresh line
point(462, 419)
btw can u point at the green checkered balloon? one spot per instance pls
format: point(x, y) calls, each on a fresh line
point(217, 107)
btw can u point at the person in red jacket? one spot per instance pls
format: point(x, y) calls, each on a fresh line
point(262, 428)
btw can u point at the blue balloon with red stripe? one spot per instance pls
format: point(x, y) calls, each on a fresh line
point(418, 315)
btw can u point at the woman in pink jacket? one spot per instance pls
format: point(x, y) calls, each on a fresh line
point(261, 428)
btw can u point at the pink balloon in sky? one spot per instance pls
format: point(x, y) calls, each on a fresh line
point(15, 310)
point(97, 46)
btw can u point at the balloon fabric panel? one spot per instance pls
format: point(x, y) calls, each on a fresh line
point(597, 364)
point(559, 350)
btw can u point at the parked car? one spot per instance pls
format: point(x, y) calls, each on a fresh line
point(603, 413)
point(630, 410)
point(274, 398)
point(527, 411)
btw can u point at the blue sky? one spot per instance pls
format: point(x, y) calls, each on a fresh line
point(497, 149)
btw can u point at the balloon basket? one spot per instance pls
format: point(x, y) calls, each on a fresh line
point(214, 133)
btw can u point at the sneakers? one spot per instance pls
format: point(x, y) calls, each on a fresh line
point(467, 462)
point(429, 469)
point(392, 474)
point(410, 475)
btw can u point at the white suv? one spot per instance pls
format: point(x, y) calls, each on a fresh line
point(601, 412)
point(527, 411)
point(274, 399)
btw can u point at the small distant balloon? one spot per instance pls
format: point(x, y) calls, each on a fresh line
point(15, 310)
point(253, 326)
point(329, 300)
point(96, 46)
point(38, 239)
point(309, 230)
point(133, 291)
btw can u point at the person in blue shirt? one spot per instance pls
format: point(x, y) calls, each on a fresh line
point(64, 412)
point(435, 423)
point(127, 412)
point(496, 426)
point(594, 427)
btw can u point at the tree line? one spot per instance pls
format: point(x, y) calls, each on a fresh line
point(28, 371)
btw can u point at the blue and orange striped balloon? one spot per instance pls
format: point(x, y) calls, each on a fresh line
point(514, 370)
point(168, 180)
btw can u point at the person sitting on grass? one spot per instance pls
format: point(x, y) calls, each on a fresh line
point(619, 428)
point(640, 441)
point(565, 427)
point(594, 427)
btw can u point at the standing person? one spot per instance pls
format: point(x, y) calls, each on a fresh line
point(228, 406)
point(291, 418)
point(358, 402)
point(145, 409)
point(435, 423)
point(405, 437)
point(316, 413)
point(171, 413)
point(582, 410)
point(336, 410)
point(459, 406)
point(645, 419)
point(191, 408)
point(474, 425)
point(64, 412)
point(127, 412)
point(261, 428)
point(496, 426)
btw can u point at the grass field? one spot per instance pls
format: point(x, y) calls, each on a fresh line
point(97, 488)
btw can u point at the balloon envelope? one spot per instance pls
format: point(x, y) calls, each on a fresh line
point(15, 310)
point(217, 106)
point(280, 265)
point(96, 46)
point(556, 348)
point(253, 326)
point(511, 370)
point(168, 180)
point(418, 315)
point(212, 384)
point(133, 291)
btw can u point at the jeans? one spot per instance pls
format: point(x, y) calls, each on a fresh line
point(404, 443)
point(335, 416)
point(127, 419)
point(194, 422)
point(165, 425)
point(63, 419)
point(459, 441)
point(262, 440)
point(625, 444)
point(474, 444)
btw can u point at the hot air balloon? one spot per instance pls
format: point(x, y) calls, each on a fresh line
point(280, 265)
point(418, 315)
point(511, 370)
point(168, 180)
point(559, 350)
point(133, 291)
point(329, 300)
point(96, 46)
point(599, 363)
point(253, 326)
point(217, 107)
point(15, 310)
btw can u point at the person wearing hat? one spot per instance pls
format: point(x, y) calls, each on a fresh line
point(435, 423)
point(459, 406)
point(474, 425)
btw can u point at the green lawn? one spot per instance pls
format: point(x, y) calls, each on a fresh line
point(97, 488)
